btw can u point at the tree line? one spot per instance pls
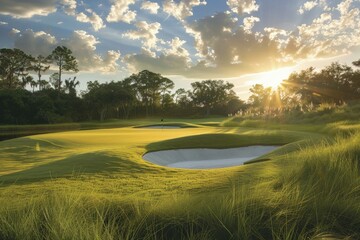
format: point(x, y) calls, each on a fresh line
point(27, 98)
point(335, 85)
point(142, 94)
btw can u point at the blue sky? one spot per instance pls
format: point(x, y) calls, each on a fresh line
point(241, 41)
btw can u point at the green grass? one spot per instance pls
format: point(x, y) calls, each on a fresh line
point(95, 185)
point(13, 131)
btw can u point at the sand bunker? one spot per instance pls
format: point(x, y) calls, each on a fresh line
point(161, 127)
point(204, 158)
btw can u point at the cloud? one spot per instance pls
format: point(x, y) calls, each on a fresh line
point(120, 12)
point(176, 48)
point(332, 33)
point(35, 43)
point(344, 6)
point(3, 23)
point(276, 33)
point(224, 48)
point(249, 22)
point(14, 31)
point(170, 64)
point(82, 44)
point(151, 7)
point(231, 53)
point(27, 8)
point(30, 8)
point(307, 6)
point(146, 32)
point(94, 19)
point(174, 59)
point(69, 7)
point(243, 6)
point(181, 10)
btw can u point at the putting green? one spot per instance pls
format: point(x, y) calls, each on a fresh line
point(109, 161)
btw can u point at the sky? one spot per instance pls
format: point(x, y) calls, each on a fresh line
point(244, 42)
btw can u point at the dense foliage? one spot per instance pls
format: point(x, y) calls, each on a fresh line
point(24, 100)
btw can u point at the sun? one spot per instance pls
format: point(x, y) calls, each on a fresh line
point(275, 77)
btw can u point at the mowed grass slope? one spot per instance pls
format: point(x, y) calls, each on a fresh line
point(95, 185)
point(13, 131)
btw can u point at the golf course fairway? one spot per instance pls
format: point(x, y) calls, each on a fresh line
point(94, 184)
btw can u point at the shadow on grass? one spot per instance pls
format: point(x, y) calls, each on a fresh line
point(82, 164)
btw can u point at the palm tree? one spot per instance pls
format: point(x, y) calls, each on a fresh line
point(26, 80)
point(43, 84)
point(70, 86)
point(34, 84)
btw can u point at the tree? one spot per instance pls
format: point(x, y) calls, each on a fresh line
point(33, 85)
point(235, 105)
point(182, 98)
point(150, 87)
point(63, 58)
point(109, 97)
point(43, 84)
point(14, 106)
point(26, 81)
point(210, 93)
point(356, 63)
point(14, 66)
point(335, 84)
point(167, 102)
point(70, 86)
point(39, 65)
point(260, 96)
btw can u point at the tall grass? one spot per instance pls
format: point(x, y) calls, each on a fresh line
point(315, 197)
point(345, 116)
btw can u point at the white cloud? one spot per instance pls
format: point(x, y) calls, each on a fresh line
point(35, 43)
point(344, 6)
point(69, 7)
point(249, 22)
point(3, 23)
point(173, 60)
point(30, 8)
point(233, 52)
point(307, 6)
point(225, 49)
point(14, 31)
point(59, 23)
point(27, 8)
point(110, 61)
point(82, 44)
point(176, 48)
point(164, 64)
point(146, 32)
point(120, 12)
point(181, 10)
point(243, 6)
point(221, 53)
point(94, 19)
point(329, 35)
point(324, 5)
point(151, 7)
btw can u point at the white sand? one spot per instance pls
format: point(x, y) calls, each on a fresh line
point(161, 127)
point(204, 158)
